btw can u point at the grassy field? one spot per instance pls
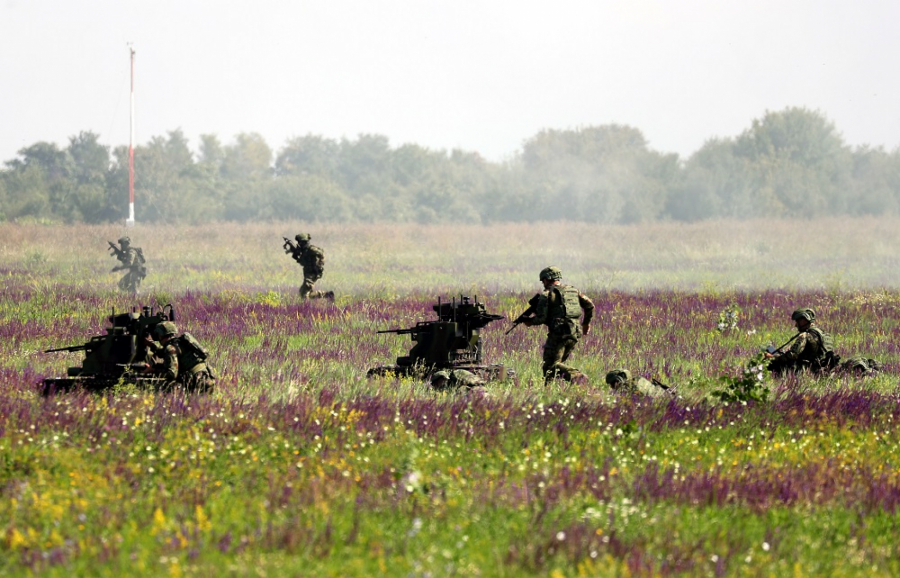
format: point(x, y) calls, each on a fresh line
point(300, 465)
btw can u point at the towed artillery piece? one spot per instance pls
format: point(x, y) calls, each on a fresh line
point(452, 341)
point(110, 359)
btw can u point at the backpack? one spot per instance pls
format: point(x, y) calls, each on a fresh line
point(192, 350)
point(566, 312)
point(862, 365)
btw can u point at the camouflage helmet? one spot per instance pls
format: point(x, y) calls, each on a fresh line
point(439, 375)
point(617, 376)
point(165, 329)
point(302, 237)
point(551, 273)
point(804, 313)
point(125, 241)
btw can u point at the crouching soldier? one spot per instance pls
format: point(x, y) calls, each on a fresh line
point(182, 359)
point(812, 348)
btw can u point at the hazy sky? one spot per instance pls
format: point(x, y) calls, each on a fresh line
point(481, 76)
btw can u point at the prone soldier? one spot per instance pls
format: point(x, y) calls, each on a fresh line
point(622, 382)
point(455, 378)
point(559, 307)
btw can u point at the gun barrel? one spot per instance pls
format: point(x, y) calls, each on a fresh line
point(70, 348)
point(399, 331)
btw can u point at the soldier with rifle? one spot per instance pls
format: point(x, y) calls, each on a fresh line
point(312, 259)
point(559, 307)
point(130, 259)
point(811, 348)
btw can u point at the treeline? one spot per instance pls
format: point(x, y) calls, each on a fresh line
point(792, 163)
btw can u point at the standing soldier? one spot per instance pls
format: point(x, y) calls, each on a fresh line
point(560, 307)
point(812, 348)
point(312, 259)
point(130, 259)
point(183, 359)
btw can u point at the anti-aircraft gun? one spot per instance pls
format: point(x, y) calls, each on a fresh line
point(452, 341)
point(109, 359)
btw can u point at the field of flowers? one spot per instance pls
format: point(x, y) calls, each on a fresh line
point(299, 465)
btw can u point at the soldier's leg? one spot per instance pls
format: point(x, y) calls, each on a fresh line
point(554, 350)
point(306, 290)
point(568, 372)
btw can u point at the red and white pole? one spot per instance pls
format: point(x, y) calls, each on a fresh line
point(130, 221)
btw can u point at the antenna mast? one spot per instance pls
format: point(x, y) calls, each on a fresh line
point(130, 221)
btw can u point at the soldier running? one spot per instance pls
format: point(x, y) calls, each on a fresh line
point(559, 307)
point(312, 259)
point(130, 259)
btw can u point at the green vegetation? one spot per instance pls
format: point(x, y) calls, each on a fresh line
point(299, 465)
point(789, 164)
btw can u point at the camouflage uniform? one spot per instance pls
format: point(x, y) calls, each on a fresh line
point(622, 382)
point(453, 378)
point(179, 364)
point(312, 259)
point(812, 349)
point(132, 259)
point(559, 308)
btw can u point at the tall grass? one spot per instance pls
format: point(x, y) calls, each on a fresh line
point(299, 465)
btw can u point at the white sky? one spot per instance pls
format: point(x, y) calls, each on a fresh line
point(478, 75)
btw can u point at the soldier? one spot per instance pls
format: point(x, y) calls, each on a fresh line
point(312, 259)
point(183, 359)
point(132, 259)
point(559, 307)
point(812, 348)
point(453, 378)
point(621, 381)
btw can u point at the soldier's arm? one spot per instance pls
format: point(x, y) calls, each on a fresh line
point(588, 307)
point(796, 348)
point(541, 309)
point(169, 367)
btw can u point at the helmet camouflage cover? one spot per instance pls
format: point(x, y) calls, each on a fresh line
point(302, 237)
point(165, 329)
point(124, 241)
point(804, 313)
point(617, 376)
point(551, 273)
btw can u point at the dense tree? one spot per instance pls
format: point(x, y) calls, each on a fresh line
point(602, 174)
point(246, 171)
point(790, 163)
point(800, 164)
point(162, 178)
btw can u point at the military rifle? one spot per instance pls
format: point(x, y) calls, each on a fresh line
point(772, 350)
point(289, 246)
point(667, 388)
point(119, 253)
point(527, 314)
